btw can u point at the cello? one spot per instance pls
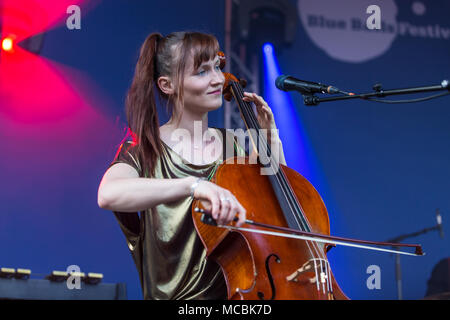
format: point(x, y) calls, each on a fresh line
point(257, 262)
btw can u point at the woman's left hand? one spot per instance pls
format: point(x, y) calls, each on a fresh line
point(265, 115)
point(266, 121)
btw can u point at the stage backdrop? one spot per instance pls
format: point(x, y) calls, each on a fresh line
point(384, 168)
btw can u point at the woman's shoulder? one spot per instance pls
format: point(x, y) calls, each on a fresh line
point(127, 146)
point(126, 153)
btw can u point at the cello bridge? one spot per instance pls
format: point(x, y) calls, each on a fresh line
point(321, 270)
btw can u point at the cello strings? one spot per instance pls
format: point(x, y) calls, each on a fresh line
point(250, 117)
point(283, 183)
point(287, 191)
point(281, 180)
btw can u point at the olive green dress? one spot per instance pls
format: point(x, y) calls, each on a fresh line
point(168, 254)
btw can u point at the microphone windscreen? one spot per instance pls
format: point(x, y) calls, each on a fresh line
point(279, 82)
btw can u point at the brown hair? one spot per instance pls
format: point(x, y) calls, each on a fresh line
point(161, 56)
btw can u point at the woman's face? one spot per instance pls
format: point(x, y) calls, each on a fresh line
point(203, 86)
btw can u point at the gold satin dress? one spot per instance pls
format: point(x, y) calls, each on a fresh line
point(168, 254)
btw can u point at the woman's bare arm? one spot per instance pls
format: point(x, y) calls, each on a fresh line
point(121, 189)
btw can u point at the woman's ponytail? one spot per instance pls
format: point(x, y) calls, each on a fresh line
point(140, 106)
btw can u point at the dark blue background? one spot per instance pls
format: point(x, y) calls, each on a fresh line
point(386, 167)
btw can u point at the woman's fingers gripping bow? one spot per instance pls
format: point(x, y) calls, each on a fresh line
point(220, 202)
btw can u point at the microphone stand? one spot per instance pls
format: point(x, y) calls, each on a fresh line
point(398, 270)
point(311, 100)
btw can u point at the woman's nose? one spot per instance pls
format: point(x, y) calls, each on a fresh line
point(218, 78)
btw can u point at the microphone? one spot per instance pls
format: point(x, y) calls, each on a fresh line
point(439, 224)
point(288, 83)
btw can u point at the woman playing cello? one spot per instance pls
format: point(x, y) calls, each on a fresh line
point(157, 175)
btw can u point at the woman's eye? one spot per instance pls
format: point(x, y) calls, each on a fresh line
point(201, 72)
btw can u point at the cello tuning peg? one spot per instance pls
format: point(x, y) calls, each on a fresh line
point(243, 82)
point(222, 59)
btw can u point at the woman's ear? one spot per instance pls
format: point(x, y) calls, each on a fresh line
point(165, 85)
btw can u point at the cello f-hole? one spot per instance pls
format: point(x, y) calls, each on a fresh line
point(269, 274)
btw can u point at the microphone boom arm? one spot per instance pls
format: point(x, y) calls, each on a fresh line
point(311, 100)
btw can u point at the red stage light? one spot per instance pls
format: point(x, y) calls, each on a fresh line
point(7, 44)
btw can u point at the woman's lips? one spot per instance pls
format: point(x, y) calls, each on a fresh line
point(216, 92)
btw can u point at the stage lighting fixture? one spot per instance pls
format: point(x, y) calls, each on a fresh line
point(32, 44)
point(57, 276)
point(7, 272)
point(93, 278)
point(22, 274)
point(273, 21)
point(7, 44)
point(25, 23)
point(81, 275)
point(13, 273)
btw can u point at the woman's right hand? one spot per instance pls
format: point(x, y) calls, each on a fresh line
point(220, 202)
